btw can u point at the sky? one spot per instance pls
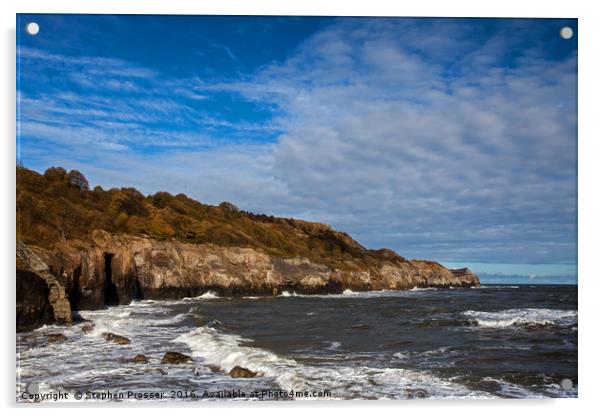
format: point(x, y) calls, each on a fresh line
point(447, 139)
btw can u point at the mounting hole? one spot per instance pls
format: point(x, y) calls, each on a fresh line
point(566, 384)
point(32, 28)
point(566, 32)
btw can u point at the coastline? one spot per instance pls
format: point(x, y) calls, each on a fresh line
point(117, 269)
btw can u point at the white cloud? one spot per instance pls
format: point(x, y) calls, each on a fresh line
point(406, 136)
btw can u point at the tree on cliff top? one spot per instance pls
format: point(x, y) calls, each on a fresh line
point(75, 177)
point(59, 207)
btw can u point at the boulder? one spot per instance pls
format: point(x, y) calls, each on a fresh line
point(56, 338)
point(240, 372)
point(140, 359)
point(87, 328)
point(173, 357)
point(117, 339)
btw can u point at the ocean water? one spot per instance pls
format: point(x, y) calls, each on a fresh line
point(488, 342)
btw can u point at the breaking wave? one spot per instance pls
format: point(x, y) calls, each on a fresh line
point(527, 317)
point(228, 351)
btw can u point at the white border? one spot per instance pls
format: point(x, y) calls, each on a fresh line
point(590, 206)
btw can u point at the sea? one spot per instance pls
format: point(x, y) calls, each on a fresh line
point(494, 341)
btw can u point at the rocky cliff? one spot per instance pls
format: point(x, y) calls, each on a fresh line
point(116, 269)
point(41, 298)
point(84, 249)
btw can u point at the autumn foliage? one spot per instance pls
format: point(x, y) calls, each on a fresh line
point(59, 206)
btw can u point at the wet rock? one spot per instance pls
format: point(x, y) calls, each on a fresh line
point(416, 394)
point(215, 368)
point(140, 359)
point(56, 338)
point(117, 339)
point(240, 372)
point(173, 357)
point(87, 328)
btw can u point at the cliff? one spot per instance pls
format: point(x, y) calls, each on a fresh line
point(97, 248)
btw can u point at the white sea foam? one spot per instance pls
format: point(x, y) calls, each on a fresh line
point(334, 345)
point(228, 350)
point(523, 317)
point(348, 293)
point(207, 295)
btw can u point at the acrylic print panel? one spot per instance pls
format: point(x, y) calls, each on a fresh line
point(283, 208)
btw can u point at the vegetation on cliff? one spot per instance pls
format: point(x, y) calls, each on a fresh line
point(58, 207)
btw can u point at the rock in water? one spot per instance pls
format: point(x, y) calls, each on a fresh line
point(173, 357)
point(56, 338)
point(117, 339)
point(140, 359)
point(87, 328)
point(240, 372)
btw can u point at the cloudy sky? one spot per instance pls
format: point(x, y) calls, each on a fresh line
point(447, 139)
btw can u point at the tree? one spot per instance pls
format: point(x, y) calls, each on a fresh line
point(75, 177)
point(55, 174)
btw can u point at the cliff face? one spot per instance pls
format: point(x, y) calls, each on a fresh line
point(116, 269)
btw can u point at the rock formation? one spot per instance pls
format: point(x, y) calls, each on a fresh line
point(41, 298)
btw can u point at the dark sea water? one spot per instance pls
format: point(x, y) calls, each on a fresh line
point(489, 342)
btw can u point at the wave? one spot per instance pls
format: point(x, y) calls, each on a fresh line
point(348, 293)
point(527, 317)
point(207, 295)
point(228, 350)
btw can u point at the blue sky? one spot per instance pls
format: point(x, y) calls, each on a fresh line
point(448, 139)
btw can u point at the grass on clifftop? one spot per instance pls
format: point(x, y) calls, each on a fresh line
point(59, 207)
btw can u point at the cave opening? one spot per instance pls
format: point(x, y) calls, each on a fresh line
point(74, 294)
point(111, 295)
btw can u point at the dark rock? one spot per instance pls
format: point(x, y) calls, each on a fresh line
point(140, 359)
point(41, 298)
point(117, 339)
point(33, 307)
point(56, 338)
point(215, 368)
point(240, 372)
point(173, 357)
point(87, 328)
